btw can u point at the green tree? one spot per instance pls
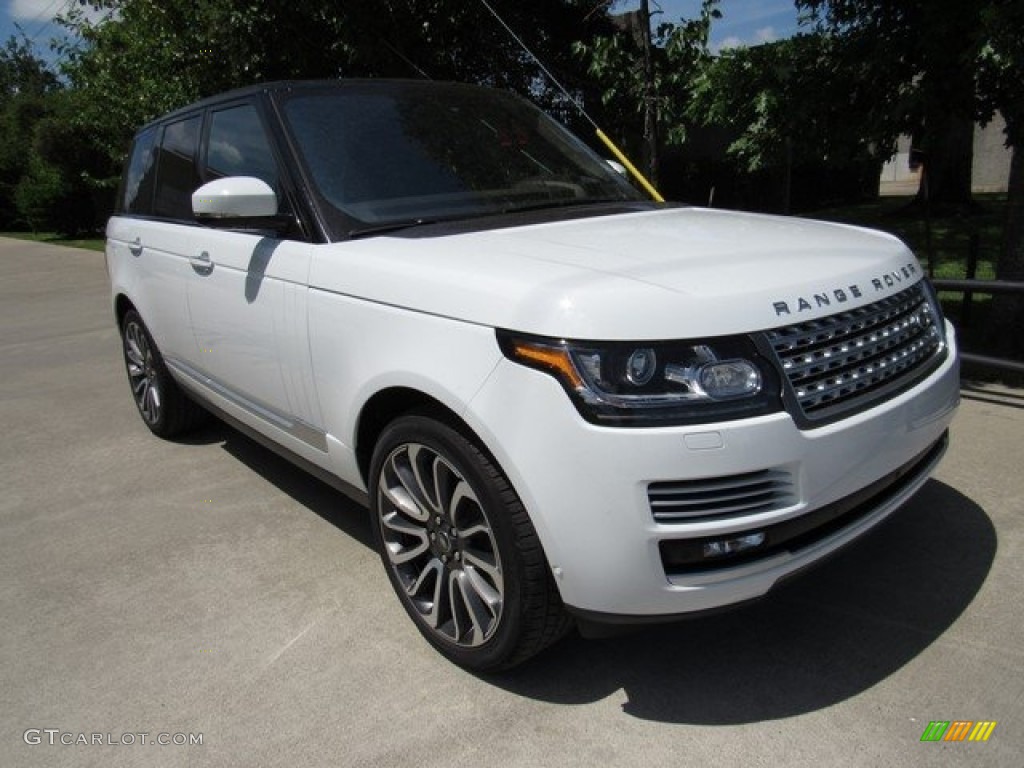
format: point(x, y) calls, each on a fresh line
point(23, 73)
point(52, 189)
point(26, 85)
point(39, 193)
point(787, 104)
point(918, 57)
point(616, 61)
point(1001, 74)
point(155, 55)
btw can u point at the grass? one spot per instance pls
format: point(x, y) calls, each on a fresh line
point(945, 251)
point(945, 255)
point(89, 243)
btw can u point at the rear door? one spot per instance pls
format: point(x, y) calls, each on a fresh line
point(149, 238)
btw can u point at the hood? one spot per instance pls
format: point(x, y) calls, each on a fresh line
point(678, 273)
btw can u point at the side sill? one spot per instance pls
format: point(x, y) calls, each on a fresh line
point(194, 381)
point(355, 494)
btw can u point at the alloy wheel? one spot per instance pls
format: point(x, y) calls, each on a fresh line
point(440, 545)
point(142, 372)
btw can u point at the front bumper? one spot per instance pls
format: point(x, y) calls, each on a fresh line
point(615, 557)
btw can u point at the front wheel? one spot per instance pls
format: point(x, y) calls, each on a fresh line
point(459, 548)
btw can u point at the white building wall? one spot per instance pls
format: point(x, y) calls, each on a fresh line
point(990, 170)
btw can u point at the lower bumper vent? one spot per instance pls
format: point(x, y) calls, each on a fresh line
point(687, 501)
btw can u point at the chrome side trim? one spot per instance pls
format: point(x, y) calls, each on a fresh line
point(300, 430)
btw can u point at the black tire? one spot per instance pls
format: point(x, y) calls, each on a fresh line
point(459, 547)
point(165, 409)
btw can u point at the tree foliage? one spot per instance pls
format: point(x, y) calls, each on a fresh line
point(614, 61)
point(152, 56)
point(22, 73)
point(1000, 78)
point(786, 101)
point(26, 86)
point(1001, 69)
point(919, 59)
point(788, 104)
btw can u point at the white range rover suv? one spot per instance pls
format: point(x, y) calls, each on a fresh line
point(560, 402)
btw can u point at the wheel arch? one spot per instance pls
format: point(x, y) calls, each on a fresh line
point(389, 404)
point(543, 616)
point(393, 402)
point(122, 306)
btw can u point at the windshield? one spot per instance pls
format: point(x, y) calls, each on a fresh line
point(393, 153)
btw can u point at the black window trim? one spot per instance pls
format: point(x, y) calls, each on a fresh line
point(307, 228)
point(158, 146)
point(289, 199)
point(119, 208)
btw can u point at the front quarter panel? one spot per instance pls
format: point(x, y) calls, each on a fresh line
point(360, 347)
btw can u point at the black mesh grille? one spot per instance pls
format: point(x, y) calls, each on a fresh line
point(843, 362)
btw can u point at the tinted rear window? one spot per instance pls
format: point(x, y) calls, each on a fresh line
point(139, 179)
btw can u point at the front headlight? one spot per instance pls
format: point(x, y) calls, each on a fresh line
point(654, 383)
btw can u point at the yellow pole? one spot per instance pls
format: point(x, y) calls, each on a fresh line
point(629, 166)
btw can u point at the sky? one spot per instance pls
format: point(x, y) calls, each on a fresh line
point(35, 17)
point(743, 22)
point(35, 20)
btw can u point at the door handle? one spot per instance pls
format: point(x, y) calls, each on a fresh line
point(135, 247)
point(202, 263)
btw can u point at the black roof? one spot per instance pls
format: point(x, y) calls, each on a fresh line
point(277, 86)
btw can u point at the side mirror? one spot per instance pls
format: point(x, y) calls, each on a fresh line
point(239, 202)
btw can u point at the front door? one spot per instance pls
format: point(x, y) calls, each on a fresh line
point(247, 299)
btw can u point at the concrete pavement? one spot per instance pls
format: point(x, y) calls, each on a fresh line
point(207, 588)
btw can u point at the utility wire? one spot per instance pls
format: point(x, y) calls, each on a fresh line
point(404, 58)
point(540, 64)
point(45, 12)
point(619, 155)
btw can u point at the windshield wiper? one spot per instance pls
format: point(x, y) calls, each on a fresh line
point(398, 226)
point(394, 226)
point(565, 203)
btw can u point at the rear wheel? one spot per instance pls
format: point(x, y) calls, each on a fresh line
point(166, 410)
point(459, 548)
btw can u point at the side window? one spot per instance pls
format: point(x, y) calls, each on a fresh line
point(136, 194)
point(239, 146)
point(177, 176)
